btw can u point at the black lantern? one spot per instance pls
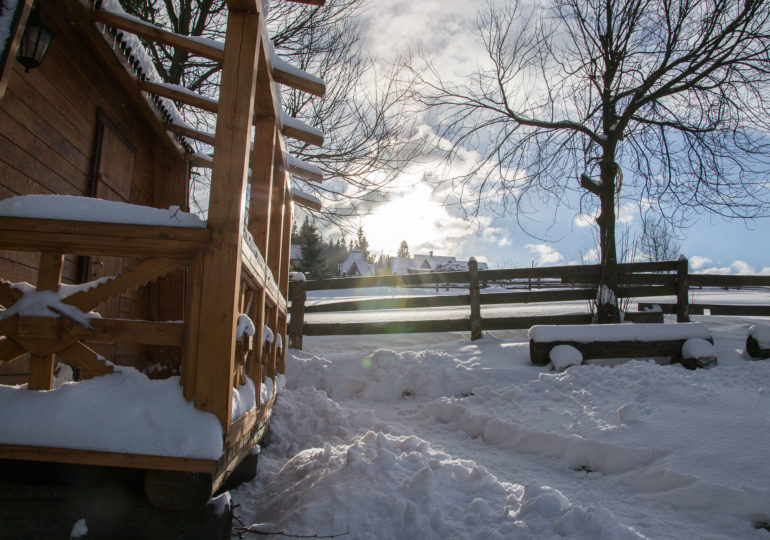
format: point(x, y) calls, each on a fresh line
point(34, 43)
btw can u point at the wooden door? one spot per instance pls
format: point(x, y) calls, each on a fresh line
point(112, 175)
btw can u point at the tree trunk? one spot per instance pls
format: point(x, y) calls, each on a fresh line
point(607, 310)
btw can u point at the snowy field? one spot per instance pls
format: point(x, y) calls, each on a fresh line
point(435, 436)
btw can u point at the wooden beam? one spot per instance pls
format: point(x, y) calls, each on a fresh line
point(187, 131)
point(181, 94)
point(49, 278)
point(281, 75)
point(198, 159)
point(170, 334)
point(262, 165)
point(267, 101)
point(303, 199)
point(273, 255)
point(221, 279)
point(108, 459)
point(10, 350)
point(304, 170)
point(63, 331)
point(142, 273)
point(192, 327)
point(96, 238)
point(160, 35)
point(18, 24)
point(294, 132)
point(83, 357)
point(254, 267)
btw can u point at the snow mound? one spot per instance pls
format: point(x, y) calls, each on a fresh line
point(761, 332)
point(385, 375)
point(564, 356)
point(120, 412)
point(699, 351)
point(421, 492)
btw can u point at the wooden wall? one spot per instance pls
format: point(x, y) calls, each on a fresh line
point(51, 121)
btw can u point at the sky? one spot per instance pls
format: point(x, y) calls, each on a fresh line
point(444, 29)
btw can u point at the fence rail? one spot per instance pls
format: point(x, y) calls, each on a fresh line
point(564, 284)
point(575, 283)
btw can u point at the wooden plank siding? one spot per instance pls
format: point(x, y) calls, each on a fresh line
point(48, 145)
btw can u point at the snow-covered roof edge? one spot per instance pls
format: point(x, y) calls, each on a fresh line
point(143, 67)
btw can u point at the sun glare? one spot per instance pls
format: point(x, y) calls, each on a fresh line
point(413, 217)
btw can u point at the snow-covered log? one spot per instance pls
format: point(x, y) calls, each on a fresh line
point(758, 341)
point(620, 341)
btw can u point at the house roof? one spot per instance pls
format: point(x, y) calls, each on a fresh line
point(431, 261)
point(136, 58)
point(356, 259)
point(400, 265)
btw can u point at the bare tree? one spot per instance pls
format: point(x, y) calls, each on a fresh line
point(670, 95)
point(369, 133)
point(658, 242)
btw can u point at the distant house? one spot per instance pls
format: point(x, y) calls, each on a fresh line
point(429, 263)
point(400, 265)
point(356, 265)
point(458, 266)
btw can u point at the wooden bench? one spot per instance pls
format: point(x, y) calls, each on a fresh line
point(625, 341)
point(758, 341)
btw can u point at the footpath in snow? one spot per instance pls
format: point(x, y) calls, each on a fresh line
point(434, 436)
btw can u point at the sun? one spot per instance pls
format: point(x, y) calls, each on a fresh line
point(413, 216)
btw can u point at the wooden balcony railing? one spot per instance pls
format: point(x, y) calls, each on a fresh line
point(162, 250)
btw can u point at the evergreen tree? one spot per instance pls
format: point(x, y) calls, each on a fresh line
point(311, 262)
point(363, 245)
point(334, 255)
point(403, 250)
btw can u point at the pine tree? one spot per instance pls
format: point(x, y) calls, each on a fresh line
point(363, 245)
point(311, 262)
point(403, 250)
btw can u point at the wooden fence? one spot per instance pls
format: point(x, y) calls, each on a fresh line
point(567, 283)
point(723, 282)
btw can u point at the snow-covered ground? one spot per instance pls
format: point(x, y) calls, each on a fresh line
point(435, 436)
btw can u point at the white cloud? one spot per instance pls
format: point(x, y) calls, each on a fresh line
point(626, 213)
point(584, 220)
point(736, 267)
point(591, 256)
point(442, 27)
point(697, 262)
point(545, 254)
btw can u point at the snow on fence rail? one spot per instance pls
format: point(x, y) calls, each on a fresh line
point(652, 279)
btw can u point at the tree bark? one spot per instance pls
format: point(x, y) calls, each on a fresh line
point(607, 310)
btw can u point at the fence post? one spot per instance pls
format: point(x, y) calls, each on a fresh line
point(473, 271)
point(682, 290)
point(298, 292)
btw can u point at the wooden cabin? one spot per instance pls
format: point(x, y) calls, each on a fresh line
point(91, 122)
